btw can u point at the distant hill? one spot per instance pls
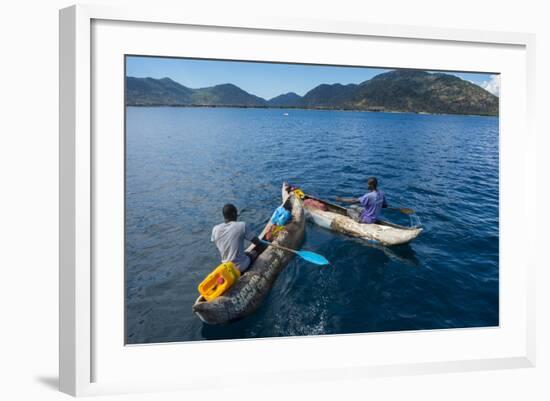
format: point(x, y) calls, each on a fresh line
point(289, 99)
point(226, 94)
point(419, 91)
point(150, 91)
point(398, 90)
point(166, 92)
point(329, 96)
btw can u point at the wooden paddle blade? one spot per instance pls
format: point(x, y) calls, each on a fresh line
point(406, 210)
point(313, 257)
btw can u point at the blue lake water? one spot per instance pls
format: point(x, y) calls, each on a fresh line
point(184, 164)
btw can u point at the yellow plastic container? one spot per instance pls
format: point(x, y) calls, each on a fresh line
point(219, 281)
point(299, 193)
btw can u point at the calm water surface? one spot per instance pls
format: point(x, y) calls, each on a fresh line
point(183, 164)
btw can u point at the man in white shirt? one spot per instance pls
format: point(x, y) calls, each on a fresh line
point(229, 238)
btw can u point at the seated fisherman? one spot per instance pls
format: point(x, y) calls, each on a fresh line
point(371, 204)
point(229, 239)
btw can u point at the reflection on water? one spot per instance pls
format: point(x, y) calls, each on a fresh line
point(402, 253)
point(183, 164)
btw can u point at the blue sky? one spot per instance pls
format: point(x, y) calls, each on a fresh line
point(265, 79)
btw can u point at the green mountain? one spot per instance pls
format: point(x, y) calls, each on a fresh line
point(225, 95)
point(289, 99)
point(152, 92)
point(398, 90)
point(166, 92)
point(329, 96)
point(419, 91)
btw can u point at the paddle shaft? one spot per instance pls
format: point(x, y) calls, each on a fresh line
point(404, 210)
point(280, 247)
point(308, 256)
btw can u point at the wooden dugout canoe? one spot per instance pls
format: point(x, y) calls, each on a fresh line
point(249, 292)
point(335, 218)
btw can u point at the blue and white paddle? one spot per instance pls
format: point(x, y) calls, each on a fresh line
point(308, 256)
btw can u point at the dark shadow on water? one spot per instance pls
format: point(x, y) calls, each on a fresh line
point(52, 382)
point(400, 253)
point(243, 328)
point(229, 331)
point(403, 254)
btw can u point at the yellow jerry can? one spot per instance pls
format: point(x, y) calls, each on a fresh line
point(219, 281)
point(299, 193)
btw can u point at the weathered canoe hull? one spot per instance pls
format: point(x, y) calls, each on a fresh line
point(385, 233)
point(246, 296)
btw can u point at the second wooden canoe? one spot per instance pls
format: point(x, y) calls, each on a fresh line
point(335, 218)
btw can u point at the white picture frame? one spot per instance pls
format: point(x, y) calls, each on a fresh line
point(83, 344)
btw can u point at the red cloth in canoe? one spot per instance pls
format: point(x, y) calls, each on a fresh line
point(315, 204)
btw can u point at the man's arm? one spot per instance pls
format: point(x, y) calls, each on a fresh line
point(251, 236)
point(260, 246)
point(347, 200)
point(256, 241)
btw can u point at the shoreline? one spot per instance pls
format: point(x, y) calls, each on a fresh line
point(309, 109)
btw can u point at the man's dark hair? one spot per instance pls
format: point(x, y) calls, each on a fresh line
point(230, 212)
point(372, 183)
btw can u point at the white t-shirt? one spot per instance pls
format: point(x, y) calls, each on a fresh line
point(229, 239)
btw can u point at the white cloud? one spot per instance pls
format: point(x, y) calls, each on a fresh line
point(492, 85)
